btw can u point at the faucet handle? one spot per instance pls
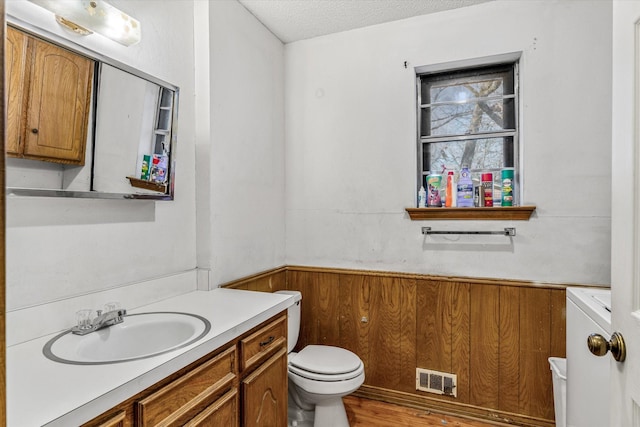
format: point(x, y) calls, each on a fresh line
point(84, 319)
point(111, 306)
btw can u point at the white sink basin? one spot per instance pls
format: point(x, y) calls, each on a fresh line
point(138, 337)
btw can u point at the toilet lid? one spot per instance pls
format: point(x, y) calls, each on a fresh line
point(326, 360)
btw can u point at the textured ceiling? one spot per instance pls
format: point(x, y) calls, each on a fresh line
point(292, 20)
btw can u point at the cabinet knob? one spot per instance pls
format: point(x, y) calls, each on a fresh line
point(34, 130)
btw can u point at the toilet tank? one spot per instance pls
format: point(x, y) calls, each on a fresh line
point(293, 319)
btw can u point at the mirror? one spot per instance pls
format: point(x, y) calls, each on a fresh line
point(130, 138)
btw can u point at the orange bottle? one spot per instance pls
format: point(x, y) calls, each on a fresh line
point(449, 196)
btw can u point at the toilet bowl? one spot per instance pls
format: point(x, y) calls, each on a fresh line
point(319, 377)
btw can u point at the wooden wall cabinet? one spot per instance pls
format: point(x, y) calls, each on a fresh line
point(242, 383)
point(48, 101)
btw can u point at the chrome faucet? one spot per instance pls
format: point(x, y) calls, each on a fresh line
point(112, 315)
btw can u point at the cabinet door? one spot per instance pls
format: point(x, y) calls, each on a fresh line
point(224, 412)
point(264, 393)
point(57, 112)
point(16, 77)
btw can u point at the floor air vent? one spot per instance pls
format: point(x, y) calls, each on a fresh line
point(436, 382)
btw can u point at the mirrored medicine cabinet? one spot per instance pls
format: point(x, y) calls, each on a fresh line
point(83, 125)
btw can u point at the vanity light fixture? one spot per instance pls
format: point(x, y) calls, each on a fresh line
point(87, 16)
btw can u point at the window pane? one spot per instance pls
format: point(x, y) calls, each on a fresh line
point(460, 92)
point(461, 79)
point(468, 118)
point(479, 154)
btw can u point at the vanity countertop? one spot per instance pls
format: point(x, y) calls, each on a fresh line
point(42, 392)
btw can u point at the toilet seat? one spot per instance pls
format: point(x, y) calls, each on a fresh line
point(326, 363)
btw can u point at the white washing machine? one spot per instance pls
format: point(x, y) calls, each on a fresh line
point(588, 312)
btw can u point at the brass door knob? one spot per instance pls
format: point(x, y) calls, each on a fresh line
point(599, 346)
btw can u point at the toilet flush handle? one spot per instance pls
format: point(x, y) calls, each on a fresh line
point(599, 346)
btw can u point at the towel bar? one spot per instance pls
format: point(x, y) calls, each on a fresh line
point(508, 231)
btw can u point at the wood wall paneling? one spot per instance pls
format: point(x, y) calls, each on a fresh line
point(461, 339)
point(558, 321)
point(354, 294)
point(484, 336)
point(408, 334)
point(509, 363)
point(495, 335)
point(433, 340)
point(535, 345)
point(384, 332)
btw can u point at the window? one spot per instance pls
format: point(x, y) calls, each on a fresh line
point(468, 116)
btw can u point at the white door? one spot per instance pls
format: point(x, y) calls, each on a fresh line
point(625, 211)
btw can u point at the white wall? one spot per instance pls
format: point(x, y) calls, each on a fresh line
point(240, 181)
point(60, 248)
point(349, 156)
point(351, 144)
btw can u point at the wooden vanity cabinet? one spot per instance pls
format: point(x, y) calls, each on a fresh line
point(49, 100)
point(244, 383)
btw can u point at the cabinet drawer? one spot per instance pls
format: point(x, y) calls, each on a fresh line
point(119, 419)
point(264, 342)
point(224, 412)
point(182, 399)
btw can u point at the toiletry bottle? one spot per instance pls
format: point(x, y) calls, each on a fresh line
point(434, 184)
point(507, 186)
point(450, 194)
point(486, 190)
point(465, 188)
point(422, 197)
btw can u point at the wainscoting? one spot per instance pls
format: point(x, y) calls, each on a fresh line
point(495, 335)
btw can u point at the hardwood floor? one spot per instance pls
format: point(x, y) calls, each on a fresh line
point(371, 413)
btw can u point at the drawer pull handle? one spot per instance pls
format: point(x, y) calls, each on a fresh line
point(267, 341)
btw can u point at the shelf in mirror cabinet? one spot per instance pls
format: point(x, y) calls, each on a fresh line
point(516, 213)
point(147, 185)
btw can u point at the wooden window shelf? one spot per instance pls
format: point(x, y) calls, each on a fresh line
point(147, 185)
point(517, 213)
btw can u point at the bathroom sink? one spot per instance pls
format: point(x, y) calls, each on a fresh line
point(139, 336)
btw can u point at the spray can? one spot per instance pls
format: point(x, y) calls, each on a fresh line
point(146, 162)
point(486, 190)
point(507, 186)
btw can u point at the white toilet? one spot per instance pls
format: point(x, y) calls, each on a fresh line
point(319, 376)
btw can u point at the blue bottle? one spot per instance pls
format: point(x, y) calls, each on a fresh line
point(465, 188)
